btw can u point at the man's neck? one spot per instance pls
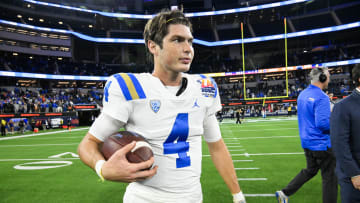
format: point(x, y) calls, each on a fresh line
point(168, 78)
point(319, 85)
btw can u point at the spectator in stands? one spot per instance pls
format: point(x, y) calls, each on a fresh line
point(314, 127)
point(345, 138)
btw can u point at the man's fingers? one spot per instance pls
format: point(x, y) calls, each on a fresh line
point(124, 150)
point(146, 173)
point(144, 165)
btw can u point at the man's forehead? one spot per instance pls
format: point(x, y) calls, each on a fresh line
point(179, 30)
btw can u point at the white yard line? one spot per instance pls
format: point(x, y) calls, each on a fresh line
point(238, 146)
point(243, 160)
point(262, 154)
point(259, 195)
point(38, 145)
point(37, 134)
point(267, 154)
point(247, 168)
point(270, 124)
point(236, 150)
point(266, 129)
point(37, 159)
point(251, 179)
point(250, 138)
point(55, 137)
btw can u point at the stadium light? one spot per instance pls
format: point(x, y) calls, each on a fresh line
point(196, 41)
point(195, 14)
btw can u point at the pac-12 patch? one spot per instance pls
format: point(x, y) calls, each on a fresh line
point(155, 105)
point(207, 88)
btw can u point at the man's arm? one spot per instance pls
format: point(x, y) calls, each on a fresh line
point(221, 157)
point(117, 168)
point(322, 115)
point(223, 163)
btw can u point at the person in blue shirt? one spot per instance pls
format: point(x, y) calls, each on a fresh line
point(314, 128)
point(345, 138)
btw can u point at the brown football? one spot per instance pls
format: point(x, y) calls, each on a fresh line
point(141, 152)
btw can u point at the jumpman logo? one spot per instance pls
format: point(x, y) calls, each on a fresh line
point(196, 104)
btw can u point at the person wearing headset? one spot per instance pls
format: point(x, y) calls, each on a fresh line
point(314, 129)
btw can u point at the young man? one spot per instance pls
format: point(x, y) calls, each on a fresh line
point(171, 110)
point(345, 138)
point(314, 125)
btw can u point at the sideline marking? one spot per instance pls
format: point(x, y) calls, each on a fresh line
point(37, 134)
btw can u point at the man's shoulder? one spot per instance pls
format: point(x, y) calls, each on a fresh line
point(346, 102)
point(314, 92)
point(131, 76)
point(131, 85)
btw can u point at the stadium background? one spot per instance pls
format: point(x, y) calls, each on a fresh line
point(55, 57)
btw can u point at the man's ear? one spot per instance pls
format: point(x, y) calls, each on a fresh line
point(151, 46)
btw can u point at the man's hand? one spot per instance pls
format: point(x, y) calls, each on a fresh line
point(356, 182)
point(118, 168)
point(239, 198)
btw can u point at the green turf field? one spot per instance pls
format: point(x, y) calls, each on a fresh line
point(266, 153)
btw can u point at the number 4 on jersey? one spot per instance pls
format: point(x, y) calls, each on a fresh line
point(180, 131)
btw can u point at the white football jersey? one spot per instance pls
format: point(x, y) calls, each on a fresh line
point(172, 124)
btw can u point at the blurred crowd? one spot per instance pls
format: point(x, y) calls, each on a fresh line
point(202, 64)
point(21, 100)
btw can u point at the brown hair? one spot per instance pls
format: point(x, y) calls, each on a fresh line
point(157, 27)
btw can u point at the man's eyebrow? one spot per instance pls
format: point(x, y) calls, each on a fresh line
point(182, 37)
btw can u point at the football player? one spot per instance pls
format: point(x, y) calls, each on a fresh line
point(172, 110)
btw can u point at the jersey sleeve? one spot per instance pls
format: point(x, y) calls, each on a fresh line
point(115, 104)
point(212, 131)
point(104, 126)
point(216, 102)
